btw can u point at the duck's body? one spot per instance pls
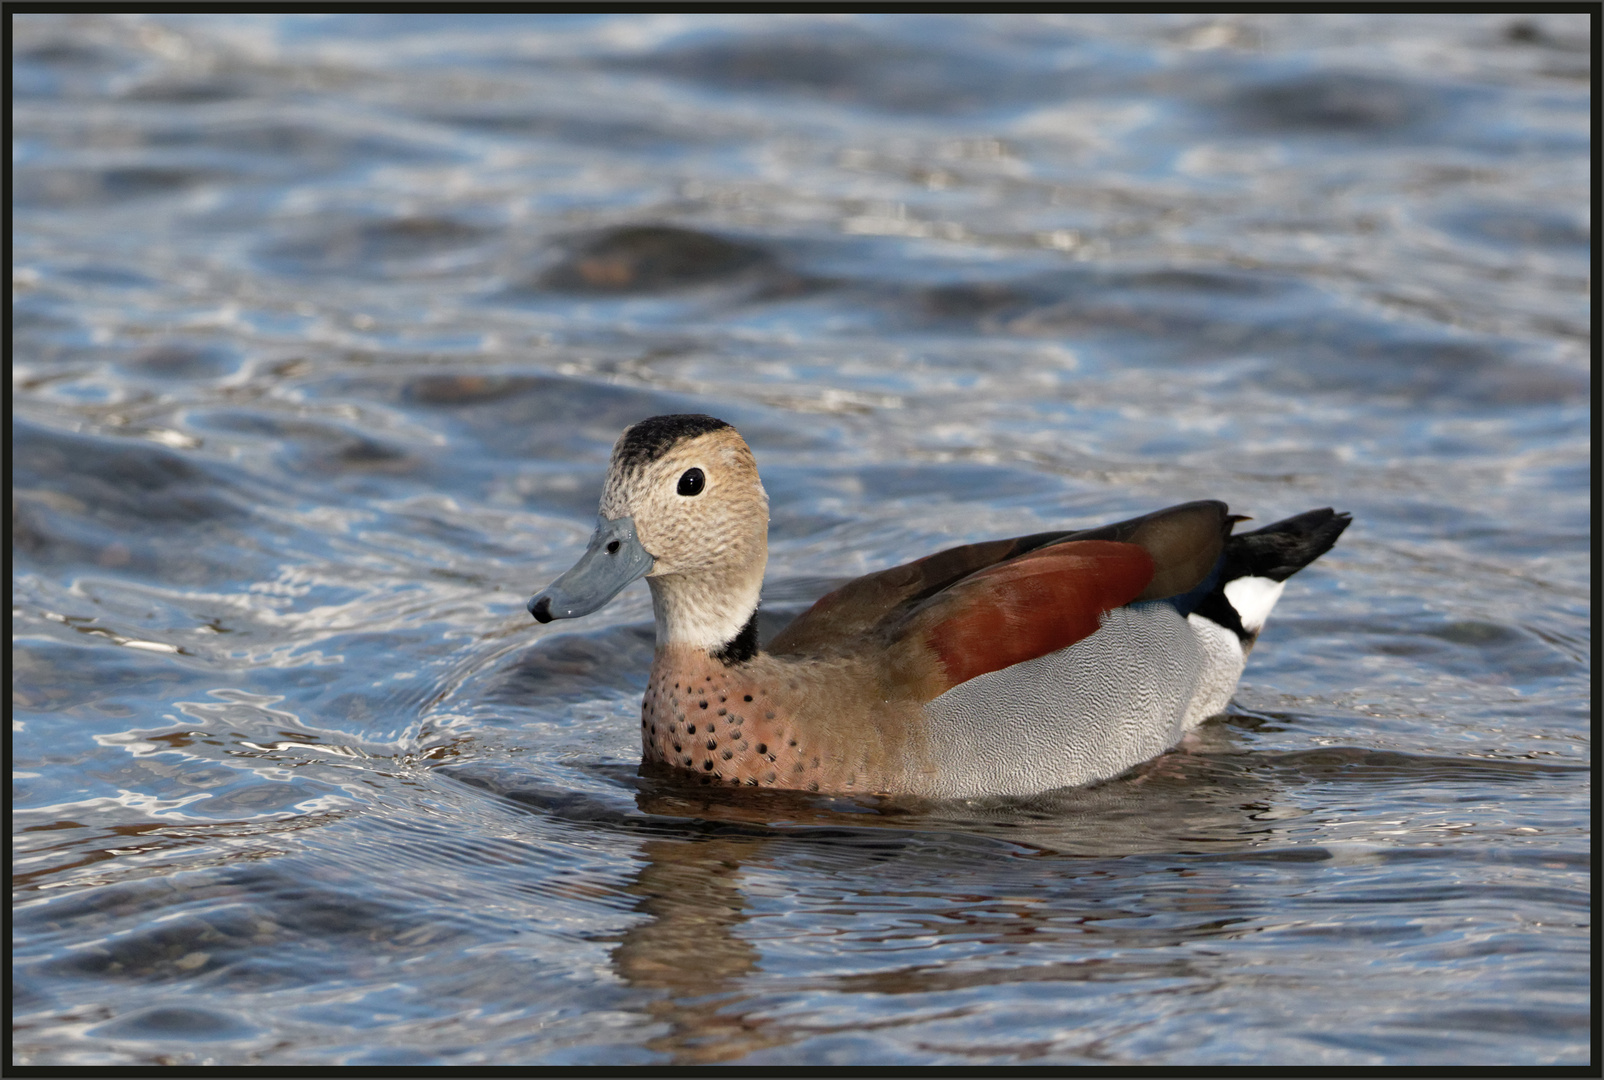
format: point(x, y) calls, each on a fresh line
point(1006, 667)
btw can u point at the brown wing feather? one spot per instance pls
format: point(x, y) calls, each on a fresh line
point(864, 603)
point(1028, 607)
point(1184, 541)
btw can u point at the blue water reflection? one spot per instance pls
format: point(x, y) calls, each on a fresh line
point(323, 327)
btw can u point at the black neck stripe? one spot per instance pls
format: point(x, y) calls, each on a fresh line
point(742, 647)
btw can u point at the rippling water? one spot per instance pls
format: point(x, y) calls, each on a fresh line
point(323, 328)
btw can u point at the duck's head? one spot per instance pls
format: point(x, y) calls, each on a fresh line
point(683, 508)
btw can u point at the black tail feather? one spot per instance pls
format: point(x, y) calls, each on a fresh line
point(1278, 551)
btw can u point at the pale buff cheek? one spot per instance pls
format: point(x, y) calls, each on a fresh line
point(710, 532)
point(720, 534)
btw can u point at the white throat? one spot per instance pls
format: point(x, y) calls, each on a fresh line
point(700, 613)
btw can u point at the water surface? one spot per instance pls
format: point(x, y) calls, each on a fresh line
point(323, 328)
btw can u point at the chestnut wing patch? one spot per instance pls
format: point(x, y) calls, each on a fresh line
point(862, 604)
point(1030, 606)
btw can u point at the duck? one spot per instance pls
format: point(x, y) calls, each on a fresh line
point(1000, 668)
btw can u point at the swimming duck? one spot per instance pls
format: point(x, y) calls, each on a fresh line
point(1006, 667)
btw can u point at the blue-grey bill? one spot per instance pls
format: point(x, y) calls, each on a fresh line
point(613, 559)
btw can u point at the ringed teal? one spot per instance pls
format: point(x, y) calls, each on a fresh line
point(1006, 667)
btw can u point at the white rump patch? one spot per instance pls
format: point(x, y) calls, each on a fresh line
point(1253, 597)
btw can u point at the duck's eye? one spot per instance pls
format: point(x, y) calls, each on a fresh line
point(612, 547)
point(691, 482)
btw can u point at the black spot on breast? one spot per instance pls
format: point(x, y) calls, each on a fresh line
point(708, 765)
point(748, 697)
point(712, 744)
point(691, 728)
point(762, 748)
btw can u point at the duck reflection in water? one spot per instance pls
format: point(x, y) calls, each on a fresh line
point(884, 875)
